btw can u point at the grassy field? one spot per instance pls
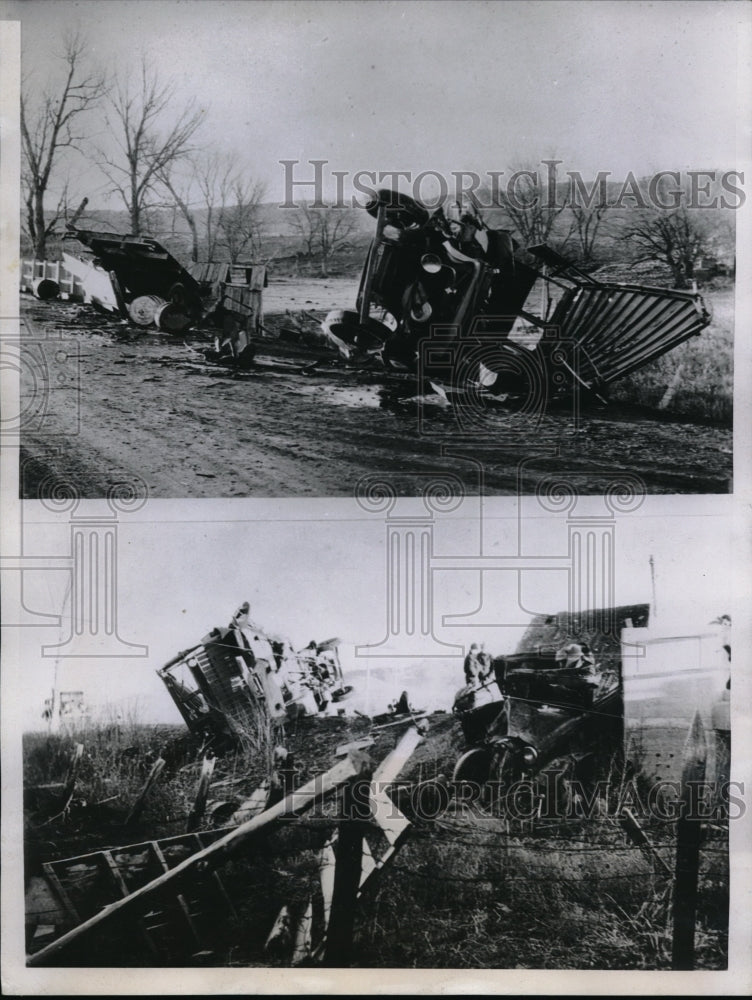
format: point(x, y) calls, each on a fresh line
point(696, 379)
point(470, 889)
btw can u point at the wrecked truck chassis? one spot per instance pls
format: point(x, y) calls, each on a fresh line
point(462, 302)
point(140, 280)
point(238, 678)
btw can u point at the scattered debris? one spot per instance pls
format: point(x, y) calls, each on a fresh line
point(199, 805)
point(145, 881)
point(136, 278)
point(344, 748)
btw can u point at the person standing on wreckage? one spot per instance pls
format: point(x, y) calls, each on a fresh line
point(472, 666)
point(485, 664)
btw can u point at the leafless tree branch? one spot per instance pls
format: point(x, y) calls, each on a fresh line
point(47, 127)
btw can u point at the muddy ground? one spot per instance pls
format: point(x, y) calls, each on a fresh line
point(104, 403)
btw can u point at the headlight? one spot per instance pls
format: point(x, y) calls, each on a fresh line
point(431, 263)
point(421, 313)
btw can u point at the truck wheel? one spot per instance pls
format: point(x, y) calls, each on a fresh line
point(402, 211)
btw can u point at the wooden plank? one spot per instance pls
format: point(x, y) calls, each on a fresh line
point(116, 873)
point(348, 852)
point(216, 854)
point(178, 896)
point(120, 883)
point(57, 885)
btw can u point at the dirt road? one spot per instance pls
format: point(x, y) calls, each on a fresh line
point(105, 404)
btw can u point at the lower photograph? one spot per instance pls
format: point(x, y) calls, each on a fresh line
point(419, 734)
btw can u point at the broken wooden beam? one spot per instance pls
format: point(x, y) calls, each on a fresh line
point(214, 855)
point(138, 805)
point(348, 854)
point(199, 805)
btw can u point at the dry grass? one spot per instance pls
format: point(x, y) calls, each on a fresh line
point(534, 906)
point(465, 891)
point(700, 372)
point(117, 759)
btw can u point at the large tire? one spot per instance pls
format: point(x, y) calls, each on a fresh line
point(143, 309)
point(45, 289)
point(171, 318)
point(345, 330)
point(402, 211)
point(474, 765)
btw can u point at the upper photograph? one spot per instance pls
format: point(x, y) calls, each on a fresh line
point(292, 249)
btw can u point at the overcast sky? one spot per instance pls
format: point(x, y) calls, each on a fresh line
point(428, 85)
point(317, 569)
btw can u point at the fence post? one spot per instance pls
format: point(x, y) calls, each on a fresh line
point(688, 833)
point(348, 853)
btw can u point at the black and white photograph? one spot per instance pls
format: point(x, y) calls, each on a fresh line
point(267, 249)
point(375, 436)
point(463, 760)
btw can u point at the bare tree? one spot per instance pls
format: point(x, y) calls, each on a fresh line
point(220, 207)
point(49, 126)
point(203, 191)
point(180, 192)
point(213, 173)
point(531, 208)
point(587, 222)
point(305, 223)
point(240, 224)
point(675, 237)
point(325, 230)
point(336, 229)
point(144, 145)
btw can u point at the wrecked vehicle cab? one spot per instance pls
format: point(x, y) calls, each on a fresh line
point(560, 694)
point(239, 677)
point(585, 691)
point(453, 298)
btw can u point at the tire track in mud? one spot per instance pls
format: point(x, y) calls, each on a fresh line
point(147, 409)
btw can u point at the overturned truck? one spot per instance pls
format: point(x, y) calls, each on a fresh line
point(455, 299)
point(238, 677)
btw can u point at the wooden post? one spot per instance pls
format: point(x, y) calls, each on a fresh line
point(348, 852)
point(688, 832)
point(213, 855)
point(138, 805)
point(630, 825)
point(199, 806)
point(70, 778)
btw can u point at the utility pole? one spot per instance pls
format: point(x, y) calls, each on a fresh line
point(652, 581)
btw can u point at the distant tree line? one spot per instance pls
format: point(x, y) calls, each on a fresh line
point(147, 145)
point(592, 232)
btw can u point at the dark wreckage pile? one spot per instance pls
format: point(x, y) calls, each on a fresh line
point(458, 301)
